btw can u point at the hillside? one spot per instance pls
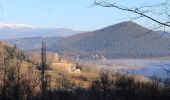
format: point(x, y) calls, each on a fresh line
point(4, 46)
point(31, 43)
point(122, 40)
point(8, 51)
point(164, 34)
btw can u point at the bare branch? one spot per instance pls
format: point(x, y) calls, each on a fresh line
point(133, 10)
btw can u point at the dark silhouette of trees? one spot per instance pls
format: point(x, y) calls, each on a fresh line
point(101, 86)
point(124, 87)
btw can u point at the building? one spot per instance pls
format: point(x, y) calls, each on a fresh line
point(62, 64)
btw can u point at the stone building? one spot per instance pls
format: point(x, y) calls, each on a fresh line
point(62, 64)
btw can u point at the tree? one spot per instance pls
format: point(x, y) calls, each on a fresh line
point(1, 54)
point(19, 82)
point(150, 11)
point(13, 76)
point(101, 87)
point(65, 83)
point(43, 68)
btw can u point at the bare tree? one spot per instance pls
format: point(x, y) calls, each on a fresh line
point(19, 82)
point(65, 82)
point(2, 67)
point(101, 85)
point(30, 83)
point(150, 11)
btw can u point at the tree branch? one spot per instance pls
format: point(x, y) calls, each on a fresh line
point(135, 10)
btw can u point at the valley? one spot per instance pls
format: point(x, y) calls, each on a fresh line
point(120, 47)
point(84, 49)
point(123, 50)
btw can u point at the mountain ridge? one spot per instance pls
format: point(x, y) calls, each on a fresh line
point(122, 40)
point(12, 31)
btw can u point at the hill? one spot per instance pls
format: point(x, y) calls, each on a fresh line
point(32, 43)
point(8, 51)
point(122, 40)
point(12, 31)
point(164, 34)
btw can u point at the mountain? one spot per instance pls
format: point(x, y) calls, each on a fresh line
point(122, 40)
point(32, 43)
point(164, 34)
point(12, 31)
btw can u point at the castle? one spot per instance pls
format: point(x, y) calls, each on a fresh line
point(62, 64)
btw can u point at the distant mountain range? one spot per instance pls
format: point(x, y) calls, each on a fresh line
point(122, 40)
point(12, 31)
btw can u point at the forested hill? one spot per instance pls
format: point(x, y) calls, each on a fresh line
point(122, 40)
point(33, 43)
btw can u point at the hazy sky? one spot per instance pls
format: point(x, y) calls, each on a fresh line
point(74, 14)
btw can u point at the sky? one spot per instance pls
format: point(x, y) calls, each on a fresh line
point(73, 14)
